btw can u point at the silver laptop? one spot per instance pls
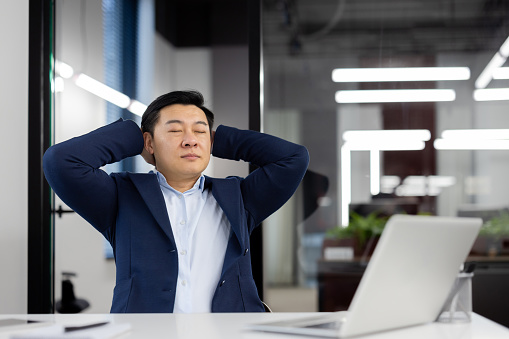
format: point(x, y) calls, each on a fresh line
point(405, 283)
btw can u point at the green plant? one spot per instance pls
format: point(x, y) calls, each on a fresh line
point(360, 227)
point(497, 227)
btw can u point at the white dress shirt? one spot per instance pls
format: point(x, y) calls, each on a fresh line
point(201, 231)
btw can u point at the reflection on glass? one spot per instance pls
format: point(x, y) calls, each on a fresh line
point(379, 66)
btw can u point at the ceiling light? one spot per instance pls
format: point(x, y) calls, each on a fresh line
point(388, 183)
point(137, 107)
point(504, 49)
point(424, 185)
point(501, 73)
point(63, 69)
point(487, 74)
point(396, 95)
point(389, 145)
point(102, 91)
point(375, 136)
point(59, 84)
point(472, 144)
point(496, 62)
point(484, 134)
point(491, 94)
point(400, 74)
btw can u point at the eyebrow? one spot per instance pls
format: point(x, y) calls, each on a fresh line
point(199, 122)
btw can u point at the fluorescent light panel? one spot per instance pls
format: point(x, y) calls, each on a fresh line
point(400, 74)
point(484, 134)
point(397, 95)
point(391, 145)
point(137, 107)
point(102, 91)
point(501, 73)
point(98, 88)
point(388, 135)
point(491, 94)
point(487, 74)
point(59, 84)
point(496, 62)
point(63, 69)
point(504, 49)
point(472, 144)
point(424, 185)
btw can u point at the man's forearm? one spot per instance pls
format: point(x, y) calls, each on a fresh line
point(72, 169)
point(254, 147)
point(282, 167)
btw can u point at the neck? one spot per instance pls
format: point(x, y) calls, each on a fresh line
point(181, 184)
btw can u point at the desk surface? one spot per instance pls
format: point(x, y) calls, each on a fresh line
point(232, 326)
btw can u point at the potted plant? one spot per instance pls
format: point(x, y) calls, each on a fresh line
point(361, 232)
point(493, 237)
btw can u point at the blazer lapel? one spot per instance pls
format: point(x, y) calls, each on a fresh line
point(148, 186)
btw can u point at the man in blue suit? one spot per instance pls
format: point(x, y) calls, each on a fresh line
point(180, 239)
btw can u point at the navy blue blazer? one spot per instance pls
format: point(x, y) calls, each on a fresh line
point(130, 211)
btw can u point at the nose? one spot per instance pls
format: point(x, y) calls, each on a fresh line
point(189, 140)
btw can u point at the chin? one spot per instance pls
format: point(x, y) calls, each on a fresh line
point(194, 171)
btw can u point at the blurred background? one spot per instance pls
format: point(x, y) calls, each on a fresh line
point(401, 104)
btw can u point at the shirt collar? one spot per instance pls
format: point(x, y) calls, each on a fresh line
point(198, 185)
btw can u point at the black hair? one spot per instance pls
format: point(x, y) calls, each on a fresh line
point(151, 115)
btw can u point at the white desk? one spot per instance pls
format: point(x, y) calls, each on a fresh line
point(231, 326)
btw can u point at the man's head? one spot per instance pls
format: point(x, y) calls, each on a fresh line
point(177, 132)
point(151, 115)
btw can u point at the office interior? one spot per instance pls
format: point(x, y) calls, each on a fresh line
point(450, 157)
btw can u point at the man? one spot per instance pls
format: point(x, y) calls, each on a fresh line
point(180, 239)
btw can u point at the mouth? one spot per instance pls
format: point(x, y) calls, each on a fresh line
point(190, 156)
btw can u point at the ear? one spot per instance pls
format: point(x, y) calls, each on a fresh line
point(148, 142)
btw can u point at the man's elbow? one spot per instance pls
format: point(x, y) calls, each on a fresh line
point(304, 157)
point(50, 163)
point(48, 159)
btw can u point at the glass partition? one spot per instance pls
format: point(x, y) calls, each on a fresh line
point(403, 108)
point(113, 57)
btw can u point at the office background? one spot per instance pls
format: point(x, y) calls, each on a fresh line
point(299, 105)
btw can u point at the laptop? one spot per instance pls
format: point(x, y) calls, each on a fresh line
point(406, 282)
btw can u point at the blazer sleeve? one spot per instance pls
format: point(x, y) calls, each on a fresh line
point(281, 167)
point(72, 169)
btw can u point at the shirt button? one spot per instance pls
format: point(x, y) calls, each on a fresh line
point(183, 252)
point(182, 222)
point(183, 283)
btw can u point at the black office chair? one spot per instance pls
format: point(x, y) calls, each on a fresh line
point(69, 302)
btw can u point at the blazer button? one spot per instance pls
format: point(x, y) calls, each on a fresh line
point(222, 283)
point(247, 250)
